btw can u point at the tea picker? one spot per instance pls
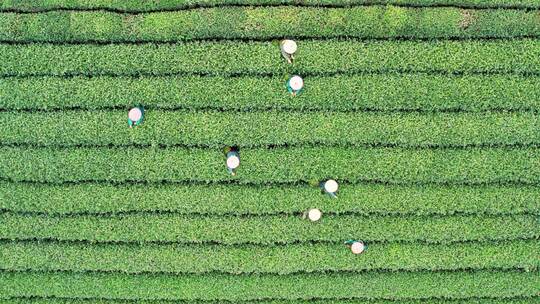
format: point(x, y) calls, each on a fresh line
point(330, 187)
point(295, 85)
point(313, 214)
point(233, 160)
point(288, 48)
point(135, 116)
point(357, 247)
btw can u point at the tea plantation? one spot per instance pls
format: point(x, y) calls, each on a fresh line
point(426, 112)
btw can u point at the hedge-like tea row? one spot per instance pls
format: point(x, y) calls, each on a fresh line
point(356, 92)
point(145, 6)
point(268, 23)
point(515, 300)
point(259, 129)
point(266, 259)
point(266, 229)
point(366, 199)
point(263, 58)
point(371, 285)
point(393, 165)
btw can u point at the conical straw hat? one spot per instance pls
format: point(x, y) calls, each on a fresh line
point(289, 46)
point(135, 114)
point(296, 83)
point(331, 186)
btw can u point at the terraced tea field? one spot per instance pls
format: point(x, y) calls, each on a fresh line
point(426, 112)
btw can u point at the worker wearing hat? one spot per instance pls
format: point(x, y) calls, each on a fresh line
point(288, 48)
point(330, 187)
point(295, 85)
point(233, 160)
point(357, 247)
point(135, 116)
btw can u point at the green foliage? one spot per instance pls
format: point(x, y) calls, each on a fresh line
point(280, 229)
point(369, 285)
point(263, 58)
point(145, 6)
point(434, 143)
point(344, 93)
point(294, 258)
point(260, 166)
point(217, 129)
point(266, 23)
point(517, 300)
point(365, 199)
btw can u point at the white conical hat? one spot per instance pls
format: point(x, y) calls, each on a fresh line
point(135, 114)
point(357, 247)
point(331, 186)
point(314, 215)
point(233, 161)
point(296, 83)
point(289, 46)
